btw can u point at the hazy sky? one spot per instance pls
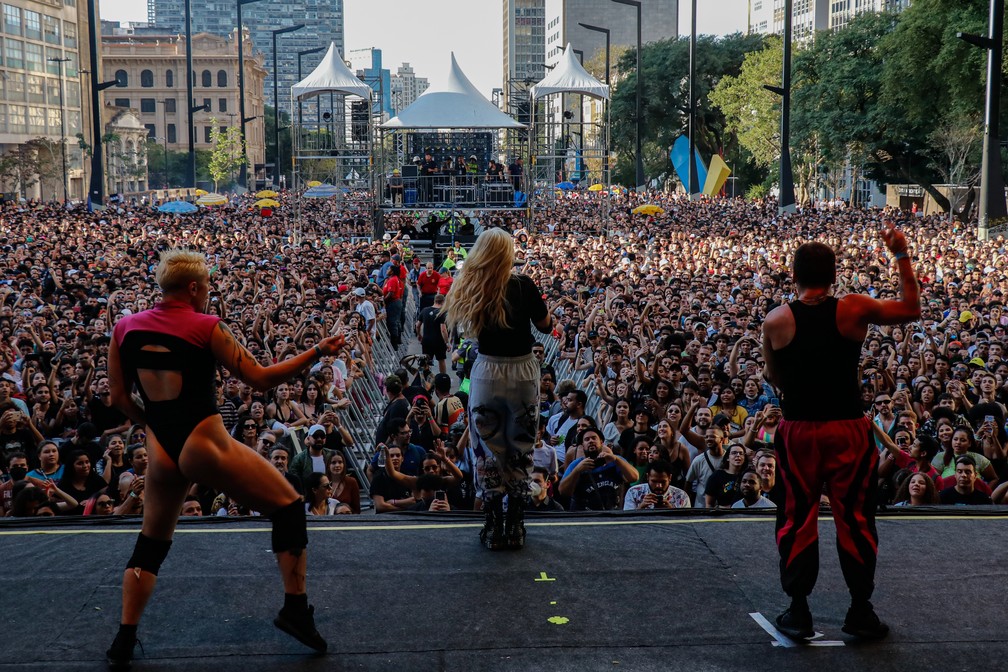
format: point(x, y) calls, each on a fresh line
point(424, 32)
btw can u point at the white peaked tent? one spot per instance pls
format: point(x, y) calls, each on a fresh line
point(569, 76)
point(458, 105)
point(331, 76)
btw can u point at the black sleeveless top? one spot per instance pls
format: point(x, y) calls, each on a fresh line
point(818, 369)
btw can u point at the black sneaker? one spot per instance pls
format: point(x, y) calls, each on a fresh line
point(120, 655)
point(795, 623)
point(864, 623)
point(301, 626)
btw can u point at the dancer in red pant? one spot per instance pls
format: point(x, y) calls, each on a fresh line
point(812, 348)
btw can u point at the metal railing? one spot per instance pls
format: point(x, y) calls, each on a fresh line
point(367, 400)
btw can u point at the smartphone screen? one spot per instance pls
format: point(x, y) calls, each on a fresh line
point(440, 495)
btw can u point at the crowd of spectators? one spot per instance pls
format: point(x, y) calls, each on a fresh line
point(661, 402)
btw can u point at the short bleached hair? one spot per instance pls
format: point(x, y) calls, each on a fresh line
point(178, 267)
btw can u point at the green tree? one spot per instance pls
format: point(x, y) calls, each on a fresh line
point(664, 106)
point(228, 151)
point(751, 112)
point(928, 74)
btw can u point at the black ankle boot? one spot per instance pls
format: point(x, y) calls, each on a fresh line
point(514, 523)
point(120, 655)
point(492, 535)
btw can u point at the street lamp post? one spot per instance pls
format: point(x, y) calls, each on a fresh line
point(276, 100)
point(786, 201)
point(637, 115)
point(300, 54)
point(190, 108)
point(605, 149)
point(165, 138)
point(992, 209)
point(60, 61)
point(691, 171)
point(243, 173)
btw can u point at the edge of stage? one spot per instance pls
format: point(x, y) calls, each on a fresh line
point(416, 592)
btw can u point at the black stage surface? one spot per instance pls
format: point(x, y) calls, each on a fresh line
point(412, 593)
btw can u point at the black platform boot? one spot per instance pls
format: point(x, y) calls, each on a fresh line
point(514, 523)
point(492, 534)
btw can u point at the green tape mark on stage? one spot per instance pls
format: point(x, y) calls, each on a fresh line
point(558, 620)
point(543, 577)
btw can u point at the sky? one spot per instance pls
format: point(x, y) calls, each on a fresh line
point(425, 33)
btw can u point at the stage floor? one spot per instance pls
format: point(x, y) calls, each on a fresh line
point(416, 593)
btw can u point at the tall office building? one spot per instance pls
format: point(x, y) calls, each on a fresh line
point(367, 65)
point(406, 87)
point(322, 19)
point(807, 16)
point(842, 11)
point(524, 49)
point(34, 32)
point(659, 21)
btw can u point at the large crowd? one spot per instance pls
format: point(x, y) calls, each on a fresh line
point(652, 392)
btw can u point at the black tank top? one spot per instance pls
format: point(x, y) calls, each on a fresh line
point(818, 368)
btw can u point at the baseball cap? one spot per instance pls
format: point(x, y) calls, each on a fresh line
point(314, 429)
point(442, 380)
point(976, 361)
point(965, 316)
point(421, 396)
point(359, 291)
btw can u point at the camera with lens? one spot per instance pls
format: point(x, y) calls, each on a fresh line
point(426, 361)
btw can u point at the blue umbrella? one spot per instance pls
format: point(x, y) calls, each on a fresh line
point(322, 191)
point(178, 207)
point(566, 186)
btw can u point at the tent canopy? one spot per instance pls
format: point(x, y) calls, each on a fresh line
point(331, 76)
point(458, 105)
point(569, 76)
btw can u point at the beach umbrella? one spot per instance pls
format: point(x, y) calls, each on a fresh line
point(266, 203)
point(177, 207)
point(648, 209)
point(597, 187)
point(617, 189)
point(201, 192)
point(267, 193)
point(314, 183)
point(211, 199)
point(565, 186)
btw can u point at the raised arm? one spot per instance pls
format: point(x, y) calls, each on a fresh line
point(241, 363)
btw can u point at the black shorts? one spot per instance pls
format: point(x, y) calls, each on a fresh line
point(438, 351)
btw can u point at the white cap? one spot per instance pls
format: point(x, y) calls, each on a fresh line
point(315, 428)
point(359, 291)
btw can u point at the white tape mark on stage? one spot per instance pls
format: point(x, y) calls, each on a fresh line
point(782, 640)
point(392, 527)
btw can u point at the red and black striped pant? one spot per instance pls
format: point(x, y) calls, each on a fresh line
point(840, 455)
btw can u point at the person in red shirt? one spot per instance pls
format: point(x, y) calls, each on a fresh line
point(392, 291)
point(428, 284)
point(445, 283)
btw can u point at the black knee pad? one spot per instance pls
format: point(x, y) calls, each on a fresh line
point(290, 528)
point(148, 554)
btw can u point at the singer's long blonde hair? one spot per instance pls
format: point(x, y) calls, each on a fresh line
point(476, 298)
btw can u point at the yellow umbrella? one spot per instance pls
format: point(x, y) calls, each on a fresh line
point(266, 203)
point(617, 189)
point(596, 187)
point(314, 183)
point(648, 209)
point(211, 199)
point(201, 192)
point(267, 193)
